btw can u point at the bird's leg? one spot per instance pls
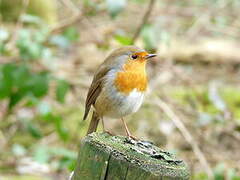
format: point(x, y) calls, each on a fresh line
point(104, 130)
point(103, 124)
point(127, 130)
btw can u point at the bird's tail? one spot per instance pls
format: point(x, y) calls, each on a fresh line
point(93, 123)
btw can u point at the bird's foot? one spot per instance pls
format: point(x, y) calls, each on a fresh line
point(132, 137)
point(108, 132)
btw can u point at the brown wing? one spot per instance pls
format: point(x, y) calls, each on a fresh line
point(94, 90)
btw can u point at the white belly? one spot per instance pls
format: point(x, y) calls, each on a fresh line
point(118, 105)
point(114, 104)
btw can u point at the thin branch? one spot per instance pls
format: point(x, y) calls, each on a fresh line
point(65, 23)
point(186, 134)
point(4, 60)
point(93, 31)
point(76, 17)
point(71, 6)
point(144, 20)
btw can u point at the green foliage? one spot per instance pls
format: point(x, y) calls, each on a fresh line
point(115, 7)
point(45, 154)
point(18, 150)
point(60, 41)
point(62, 89)
point(232, 98)
point(34, 130)
point(210, 103)
point(149, 38)
point(220, 172)
point(200, 176)
point(91, 7)
point(18, 82)
point(152, 35)
point(71, 34)
point(30, 19)
point(44, 108)
point(30, 44)
point(61, 130)
point(123, 40)
point(26, 81)
point(232, 174)
point(65, 39)
point(4, 35)
point(140, 1)
point(55, 119)
point(197, 97)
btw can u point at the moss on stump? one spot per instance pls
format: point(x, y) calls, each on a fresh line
point(106, 157)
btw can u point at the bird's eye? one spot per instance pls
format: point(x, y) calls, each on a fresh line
point(134, 56)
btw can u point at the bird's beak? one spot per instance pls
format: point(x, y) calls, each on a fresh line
point(150, 56)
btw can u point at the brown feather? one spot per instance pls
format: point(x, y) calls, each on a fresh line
point(94, 123)
point(95, 90)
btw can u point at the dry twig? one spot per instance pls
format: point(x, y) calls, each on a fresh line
point(77, 16)
point(65, 23)
point(71, 6)
point(186, 134)
point(4, 60)
point(144, 20)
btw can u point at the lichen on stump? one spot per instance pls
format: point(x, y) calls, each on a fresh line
point(105, 157)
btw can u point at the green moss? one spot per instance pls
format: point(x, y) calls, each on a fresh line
point(166, 164)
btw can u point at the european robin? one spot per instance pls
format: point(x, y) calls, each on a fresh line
point(118, 86)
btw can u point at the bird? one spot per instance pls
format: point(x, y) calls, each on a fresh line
point(118, 87)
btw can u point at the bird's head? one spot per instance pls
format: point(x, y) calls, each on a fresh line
point(130, 57)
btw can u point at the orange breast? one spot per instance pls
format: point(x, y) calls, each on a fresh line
point(132, 77)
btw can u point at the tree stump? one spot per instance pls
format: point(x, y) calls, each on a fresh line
point(106, 157)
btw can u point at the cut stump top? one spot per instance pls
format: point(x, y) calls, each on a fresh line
point(136, 159)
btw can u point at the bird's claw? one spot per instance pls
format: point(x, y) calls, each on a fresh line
point(132, 137)
point(110, 133)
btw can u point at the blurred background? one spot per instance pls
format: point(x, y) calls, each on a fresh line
point(49, 51)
